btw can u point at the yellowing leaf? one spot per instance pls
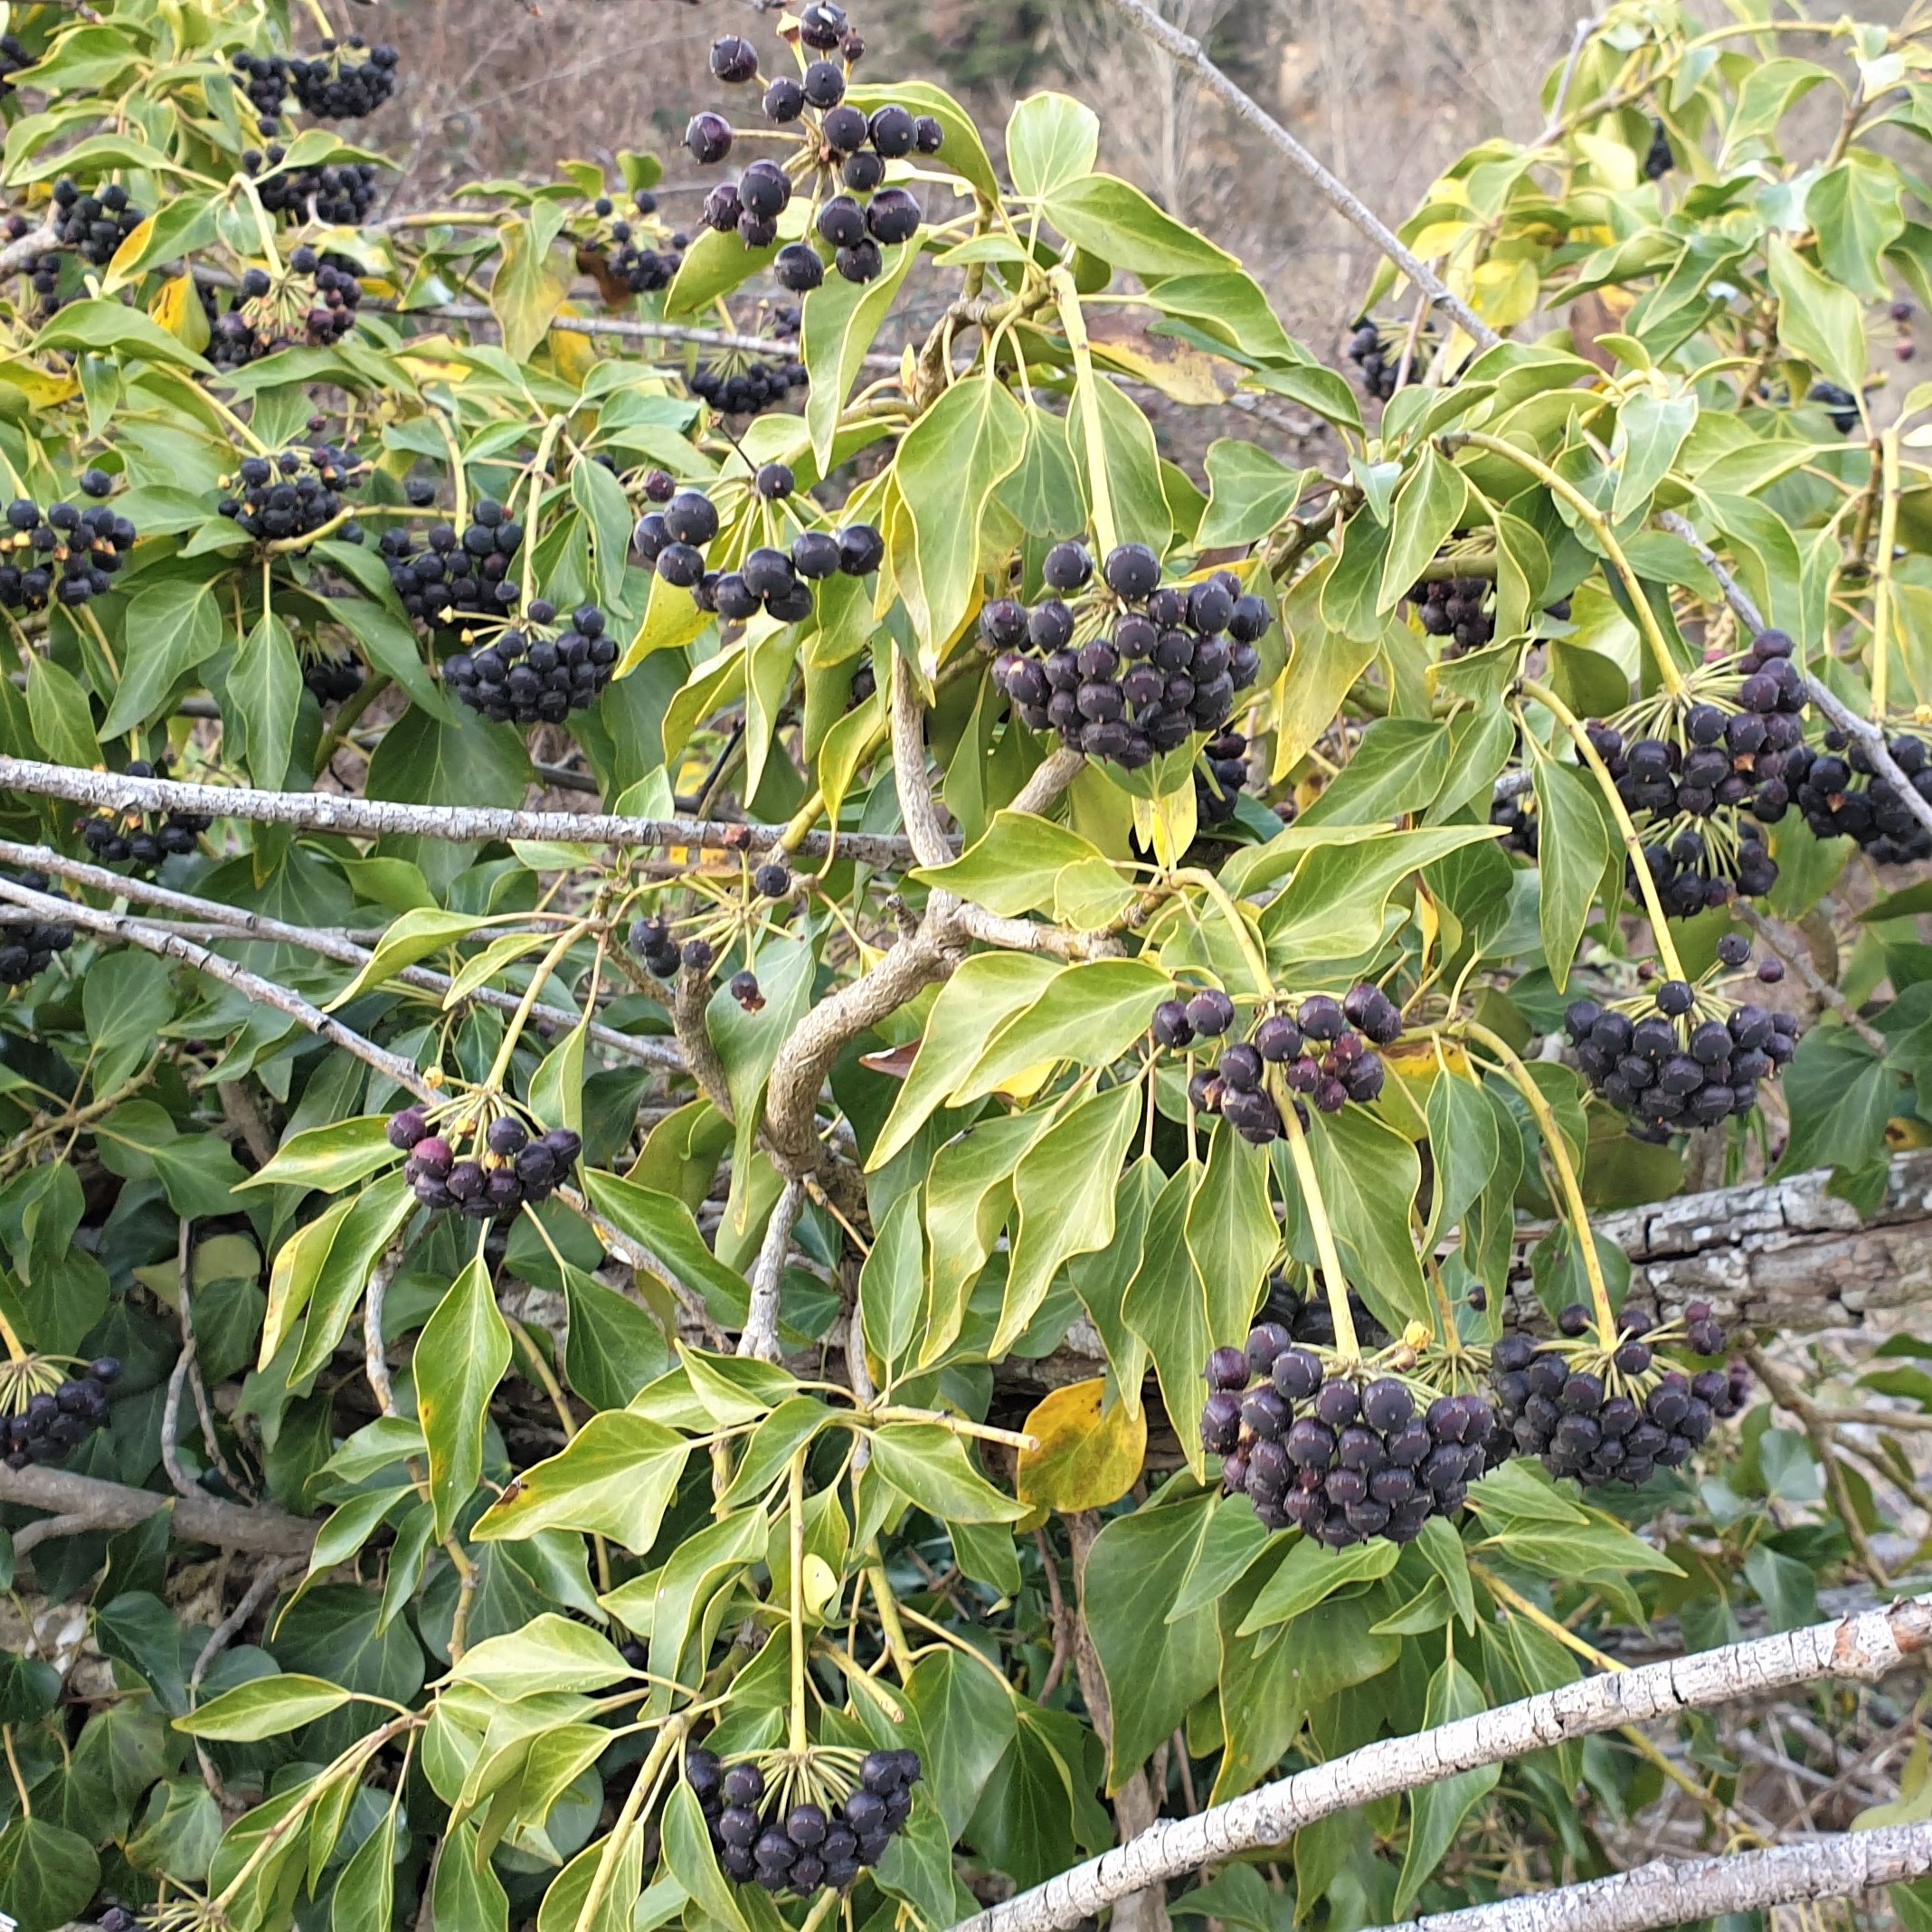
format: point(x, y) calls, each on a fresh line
point(1089, 1452)
point(177, 309)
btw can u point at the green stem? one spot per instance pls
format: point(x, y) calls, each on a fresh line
point(1334, 1282)
point(539, 465)
point(1632, 845)
point(1881, 607)
point(1572, 1189)
point(798, 1739)
point(1599, 525)
point(565, 940)
point(1066, 298)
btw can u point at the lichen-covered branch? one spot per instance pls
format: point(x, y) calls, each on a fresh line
point(254, 1528)
point(1861, 1649)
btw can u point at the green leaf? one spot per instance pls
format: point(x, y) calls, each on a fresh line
point(1023, 864)
point(1059, 1212)
point(962, 153)
point(1230, 1225)
point(892, 1282)
point(1573, 854)
point(985, 991)
point(550, 1654)
point(1818, 318)
point(1436, 1811)
point(61, 715)
point(265, 687)
point(613, 1347)
point(102, 326)
point(929, 1464)
point(266, 1707)
point(1051, 142)
point(466, 1895)
point(1310, 1574)
point(1250, 494)
point(839, 322)
point(1368, 1175)
point(1333, 908)
point(365, 1893)
point(1131, 460)
point(529, 286)
point(606, 510)
point(1428, 509)
point(950, 463)
point(1156, 1670)
point(1839, 1095)
point(615, 1479)
point(1856, 209)
point(47, 1874)
point(170, 628)
point(693, 1864)
point(968, 1717)
point(1115, 220)
point(329, 1158)
point(419, 934)
point(1464, 1144)
point(714, 265)
point(1650, 432)
point(178, 228)
point(460, 1357)
point(663, 1226)
point(1089, 1013)
point(1398, 768)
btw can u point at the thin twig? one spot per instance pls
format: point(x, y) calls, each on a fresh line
point(198, 1518)
point(760, 1323)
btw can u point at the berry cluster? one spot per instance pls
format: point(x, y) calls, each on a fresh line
point(55, 1420)
point(834, 134)
point(1220, 778)
point(1379, 358)
point(315, 303)
point(338, 88)
point(805, 1845)
point(1617, 1419)
point(507, 1169)
point(742, 384)
point(1689, 790)
point(1516, 813)
point(776, 582)
point(27, 949)
point(293, 493)
point(1825, 788)
point(610, 247)
point(67, 552)
point(1657, 160)
point(93, 225)
point(1341, 1458)
point(1692, 1060)
point(1132, 668)
point(1840, 405)
point(1324, 1052)
point(450, 574)
point(654, 943)
point(330, 679)
point(14, 58)
point(1461, 610)
point(539, 671)
point(342, 193)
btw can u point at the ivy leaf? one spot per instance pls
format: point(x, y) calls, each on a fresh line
point(968, 1721)
point(47, 1874)
point(1428, 509)
point(1578, 848)
point(839, 323)
point(929, 1464)
point(529, 286)
point(1090, 1450)
point(1368, 1175)
point(170, 628)
point(265, 687)
point(460, 1357)
point(615, 1479)
point(1051, 142)
point(613, 1347)
point(265, 1707)
point(1250, 494)
point(61, 717)
point(1817, 316)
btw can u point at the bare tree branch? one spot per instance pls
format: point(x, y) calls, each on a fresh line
point(266, 992)
point(760, 1336)
point(247, 926)
point(1188, 52)
point(1861, 1649)
point(197, 1519)
point(1680, 1892)
point(457, 824)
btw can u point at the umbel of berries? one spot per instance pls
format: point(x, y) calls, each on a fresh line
point(840, 158)
point(1616, 1407)
point(631, 251)
point(293, 493)
point(506, 1167)
point(27, 944)
point(455, 573)
point(777, 583)
point(1841, 795)
point(1461, 610)
point(142, 839)
point(66, 554)
point(1684, 1055)
point(1120, 666)
point(1334, 1448)
point(51, 1404)
point(539, 670)
point(809, 1824)
point(1321, 1055)
point(1699, 778)
point(1379, 358)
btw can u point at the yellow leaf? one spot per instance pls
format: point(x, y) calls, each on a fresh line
point(177, 309)
point(1175, 368)
point(671, 620)
point(1504, 293)
point(1089, 1453)
point(574, 356)
point(1026, 1083)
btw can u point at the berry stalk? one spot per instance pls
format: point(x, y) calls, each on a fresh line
point(1579, 1219)
point(565, 941)
point(1334, 1283)
point(1066, 299)
point(1632, 845)
point(1560, 486)
point(1881, 604)
point(799, 1742)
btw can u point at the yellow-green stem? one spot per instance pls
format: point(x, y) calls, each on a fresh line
point(1881, 603)
point(640, 1795)
point(1560, 486)
point(897, 1646)
point(1335, 1284)
point(565, 940)
point(797, 1504)
point(1626, 825)
point(1580, 1218)
point(1066, 299)
point(538, 466)
point(16, 1349)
